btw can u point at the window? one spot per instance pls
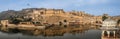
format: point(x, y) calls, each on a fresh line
point(41, 13)
point(65, 20)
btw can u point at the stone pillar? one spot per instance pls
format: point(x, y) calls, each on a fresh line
point(103, 33)
point(108, 33)
point(114, 33)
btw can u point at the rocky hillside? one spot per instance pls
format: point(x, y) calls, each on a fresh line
point(11, 13)
point(7, 14)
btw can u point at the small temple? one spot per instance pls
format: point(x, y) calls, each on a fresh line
point(109, 29)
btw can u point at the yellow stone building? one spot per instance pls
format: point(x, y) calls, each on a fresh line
point(53, 16)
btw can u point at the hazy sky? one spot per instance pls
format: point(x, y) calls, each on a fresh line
point(96, 7)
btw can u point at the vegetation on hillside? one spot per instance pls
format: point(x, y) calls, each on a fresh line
point(104, 18)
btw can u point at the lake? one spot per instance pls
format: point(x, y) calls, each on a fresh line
point(58, 32)
point(87, 34)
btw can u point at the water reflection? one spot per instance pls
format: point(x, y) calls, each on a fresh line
point(58, 32)
point(51, 31)
point(110, 34)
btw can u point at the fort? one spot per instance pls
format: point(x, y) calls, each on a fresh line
point(40, 18)
point(44, 15)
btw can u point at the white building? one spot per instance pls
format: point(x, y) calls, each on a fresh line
point(110, 27)
point(109, 24)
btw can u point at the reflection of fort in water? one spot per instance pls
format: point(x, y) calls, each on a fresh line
point(110, 34)
point(53, 31)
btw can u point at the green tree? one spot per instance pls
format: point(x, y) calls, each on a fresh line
point(118, 21)
point(27, 19)
point(104, 18)
point(17, 20)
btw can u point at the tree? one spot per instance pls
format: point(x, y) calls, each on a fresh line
point(118, 21)
point(104, 18)
point(17, 20)
point(27, 19)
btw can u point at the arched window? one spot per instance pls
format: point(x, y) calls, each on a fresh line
point(97, 22)
point(65, 20)
point(41, 13)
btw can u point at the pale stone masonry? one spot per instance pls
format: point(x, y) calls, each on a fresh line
point(53, 16)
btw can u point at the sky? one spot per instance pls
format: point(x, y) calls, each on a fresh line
point(95, 7)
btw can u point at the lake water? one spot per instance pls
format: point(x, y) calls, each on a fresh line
point(88, 34)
